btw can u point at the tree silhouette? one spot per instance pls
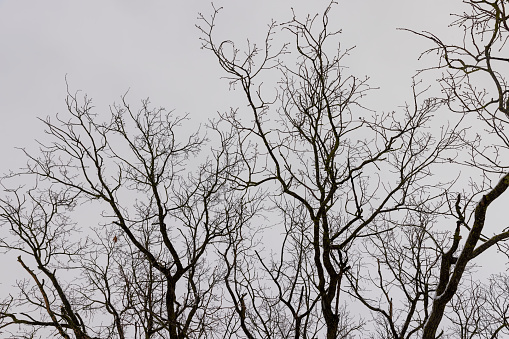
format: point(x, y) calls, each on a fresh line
point(302, 215)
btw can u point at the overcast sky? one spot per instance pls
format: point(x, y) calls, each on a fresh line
point(151, 48)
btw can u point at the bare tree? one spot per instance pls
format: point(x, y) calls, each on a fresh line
point(422, 272)
point(476, 88)
point(149, 271)
point(400, 283)
point(481, 310)
point(308, 204)
point(340, 172)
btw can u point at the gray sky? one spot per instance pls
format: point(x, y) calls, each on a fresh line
point(152, 49)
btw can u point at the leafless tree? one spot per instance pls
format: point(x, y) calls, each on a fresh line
point(308, 204)
point(422, 270)
point(481, 310)
point(149, 270)
point(476, 89)
point(400, 283)
point(337, 172)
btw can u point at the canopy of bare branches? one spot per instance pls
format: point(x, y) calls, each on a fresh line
point(302, 214)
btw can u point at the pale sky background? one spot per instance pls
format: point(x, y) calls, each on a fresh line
point(151, 48)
